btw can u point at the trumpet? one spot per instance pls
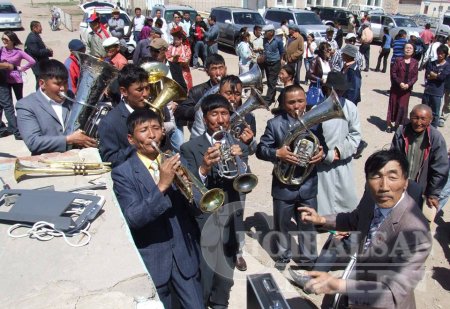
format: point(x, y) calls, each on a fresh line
point(211, 199)
point(232, 167)
point(62, 168)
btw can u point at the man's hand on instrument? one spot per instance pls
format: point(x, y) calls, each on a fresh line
point(310, 215)
point(284, 154)
point(79, 138)
point(318, 157)
point(167, 171)
point(247, 135)
point(236, 150)
point(211, 157)
point(324, 283)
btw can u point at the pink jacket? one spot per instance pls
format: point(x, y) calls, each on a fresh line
point(15, 57)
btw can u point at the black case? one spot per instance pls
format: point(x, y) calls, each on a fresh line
point(263, 293)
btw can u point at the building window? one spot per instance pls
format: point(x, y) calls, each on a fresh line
point(284, 2)
point(335, 2)
point(344, 3)
point(309, 2)
point(319, 2)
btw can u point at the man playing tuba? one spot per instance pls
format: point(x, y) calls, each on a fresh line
point(287, 197)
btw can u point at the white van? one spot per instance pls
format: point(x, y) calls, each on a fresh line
point(360, 9)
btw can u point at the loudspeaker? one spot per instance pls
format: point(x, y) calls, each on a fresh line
point(263, 293)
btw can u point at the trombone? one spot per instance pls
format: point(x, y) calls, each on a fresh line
point(211, 199)
point(232, 167)
point(62, 168)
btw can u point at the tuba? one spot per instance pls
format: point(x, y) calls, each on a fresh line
point(237, 120)
point(95, 77)
point(304, 143)
point(62, 168)
point(211, 199)
point(171, 91)
point(250, 79)
point(232, 167)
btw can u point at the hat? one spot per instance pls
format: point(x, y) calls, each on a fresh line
point(330, 29)
point(115, 11)
point(366, 23)
point(350, 50)
point(279, 31)
point(76, 45)
point(350, 36)
point(158, 43)
point(111, 41)
point(93, 17)
point(294, 27)
point(337, 81)
point(178, 31)
point(157, 30)
point(268, 27)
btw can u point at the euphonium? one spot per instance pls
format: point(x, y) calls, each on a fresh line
point(232, 167)
point(211, 199)
point(250, 79)
point(61, 168)
point(171, 91)
point(156, 71)
point(237, 120)
point(304, 143)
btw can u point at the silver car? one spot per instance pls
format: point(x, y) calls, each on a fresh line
point(395, 24)
point(9, 16)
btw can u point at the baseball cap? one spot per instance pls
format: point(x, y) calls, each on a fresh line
point(76, 45)
point(158, 43)
point(111, 41)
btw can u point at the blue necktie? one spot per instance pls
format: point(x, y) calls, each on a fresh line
point(374, 225)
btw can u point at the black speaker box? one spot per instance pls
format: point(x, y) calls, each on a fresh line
point(263, 293)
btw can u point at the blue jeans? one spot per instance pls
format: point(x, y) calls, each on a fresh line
point(177, 138)
point(434, 102)
point(6, 104)
point(213, 49)
point(199, 47)
point(136, 35)
point(445, 193)
point(308, 62)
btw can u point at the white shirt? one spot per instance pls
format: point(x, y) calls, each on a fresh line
point(57, 107)
point(325, 68)
point(139, 23)
point(130, 109)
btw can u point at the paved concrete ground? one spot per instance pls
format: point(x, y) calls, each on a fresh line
point(432, 292)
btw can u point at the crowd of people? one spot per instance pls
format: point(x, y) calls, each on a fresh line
point(191, 255)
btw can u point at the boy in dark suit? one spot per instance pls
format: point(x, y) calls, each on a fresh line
point(286, 197)
point(158, 215)
point(218, 241)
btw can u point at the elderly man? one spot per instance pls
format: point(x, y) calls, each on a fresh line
point(143, 47)
point(395, 240)
point(96, 37)
point(294, 50)
point(116, 24)
point(273, 53)
point(426, 151)
point(113, 55)
point(337, 63)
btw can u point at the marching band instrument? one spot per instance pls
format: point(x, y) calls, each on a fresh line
point(95, 77)
point(156, 71)
point(237, 120)
point(304, 143)
point(348, 270)
point(232, 167)
point(250, 79)
point(62, 168)
point(171, 91)
point(211, 199)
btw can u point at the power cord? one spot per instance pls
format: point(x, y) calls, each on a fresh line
point(46, 231)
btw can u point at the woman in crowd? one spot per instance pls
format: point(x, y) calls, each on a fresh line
point(320, 66)
point(286, 77)
point(308, 52)
point(244, 53)
point(179, 54)
point(404, 73)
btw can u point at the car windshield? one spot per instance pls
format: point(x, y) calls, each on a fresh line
point(5, 9)
point(168, 14)
point(446, 20)
point(308, 19)
point(405, 22)
point(248, 18)
point(104, 17)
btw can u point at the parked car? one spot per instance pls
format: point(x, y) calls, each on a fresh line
point(168, 10)
point(9, 16)
point(89, 6)
point(330, 16)
point(105, 14)
point(443, 28)
point(307, 21)
point(231, 20)
point(395, 23)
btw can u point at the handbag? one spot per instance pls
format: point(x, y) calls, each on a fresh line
point(314, 95)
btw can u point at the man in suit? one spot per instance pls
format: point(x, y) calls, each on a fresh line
point(218, 241)
point(42, 116)
point(216, 69)
point(112, 130)
point(157, 214)
point(35, 47)
point(395, 239)
point(287, 197)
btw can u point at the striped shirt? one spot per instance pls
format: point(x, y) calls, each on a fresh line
point(398, 49)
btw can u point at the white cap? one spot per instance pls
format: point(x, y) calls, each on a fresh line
point(268, 27)
point(279, 31)
point(350, 36)
point(111, 41)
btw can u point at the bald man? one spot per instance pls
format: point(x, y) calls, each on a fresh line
point(426, 151)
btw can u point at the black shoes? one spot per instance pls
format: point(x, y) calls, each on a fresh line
point(281, 263)
point(362, 145)
point(241, 264)
point(5, 133)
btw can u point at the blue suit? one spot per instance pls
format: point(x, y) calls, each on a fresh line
point(163, 230)
point(286, 198)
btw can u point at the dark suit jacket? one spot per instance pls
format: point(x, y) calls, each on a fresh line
point(112, 133)
point(389, 270)
point(39, 125)
point(35, 47)
point(398, 74)
point(272, 139)
point(185, 111)
point(161, 225)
